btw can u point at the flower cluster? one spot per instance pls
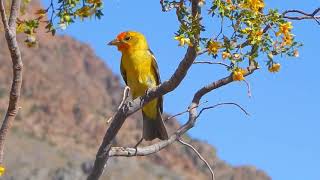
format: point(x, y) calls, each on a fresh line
point(238, 74)
point(225, 55)
point(254, 5)
point(183, 40)
point(285, 30)
point(275, 67)
point(213, 47)
point(252, 34)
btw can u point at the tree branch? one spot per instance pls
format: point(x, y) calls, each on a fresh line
point(304, 15)
point(209, 62)
point(10, 34)
point(4, 16)
point(183, 112)
point(124, 98)
point(14, 13)
point(199, 155)
point(220, 104)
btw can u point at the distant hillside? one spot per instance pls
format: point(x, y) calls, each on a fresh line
point(67, 95)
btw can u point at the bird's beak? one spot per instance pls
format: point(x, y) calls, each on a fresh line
point(115, 42)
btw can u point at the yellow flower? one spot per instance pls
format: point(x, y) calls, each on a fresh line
point(2, 170)
point(182, 40)
point(225, 55)
point(287, 40)
point(275, 67)
point(213, 47)
point(238, 74)
point(254, 5)
point(285, 28)
point(258, 34)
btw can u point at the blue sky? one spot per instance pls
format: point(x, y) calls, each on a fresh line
point(282, 134)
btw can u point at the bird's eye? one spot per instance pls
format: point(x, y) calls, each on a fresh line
point(127, 38)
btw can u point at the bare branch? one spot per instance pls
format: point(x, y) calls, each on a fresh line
point(14, 13)
point(143, 151)
point(202, 52)
point(183, 112)
point(220, 104)
point(4, 16)
point(209, 62)
point(304, 15)
point(199, 155)
point(10, 34)
point(248, 87)
point(125, 96)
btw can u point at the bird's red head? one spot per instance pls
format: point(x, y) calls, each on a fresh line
point(129, 40)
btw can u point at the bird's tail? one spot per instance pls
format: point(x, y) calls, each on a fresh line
point(154, 128)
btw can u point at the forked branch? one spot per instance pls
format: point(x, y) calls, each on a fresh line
point(199, 155)
point(315, 15)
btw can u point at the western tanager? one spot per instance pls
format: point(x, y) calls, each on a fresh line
point(140, 71)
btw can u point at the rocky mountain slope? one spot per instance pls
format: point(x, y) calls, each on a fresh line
point(67, 95)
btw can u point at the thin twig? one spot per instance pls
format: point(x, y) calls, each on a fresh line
point(248, 87)
point(305, 15)
point(183, 112)
point(220, 104)
point(221, 29)
point(202, 52)
point(124, 98)
point(209, 62)
point(199, 155)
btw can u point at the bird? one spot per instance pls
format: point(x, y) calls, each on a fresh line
point(140, 72)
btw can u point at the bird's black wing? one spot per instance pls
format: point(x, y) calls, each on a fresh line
point(123, 73)
point(156, 70)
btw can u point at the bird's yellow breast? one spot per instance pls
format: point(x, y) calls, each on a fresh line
point(139, 71)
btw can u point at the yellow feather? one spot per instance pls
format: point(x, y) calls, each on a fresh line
point(137, 62)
